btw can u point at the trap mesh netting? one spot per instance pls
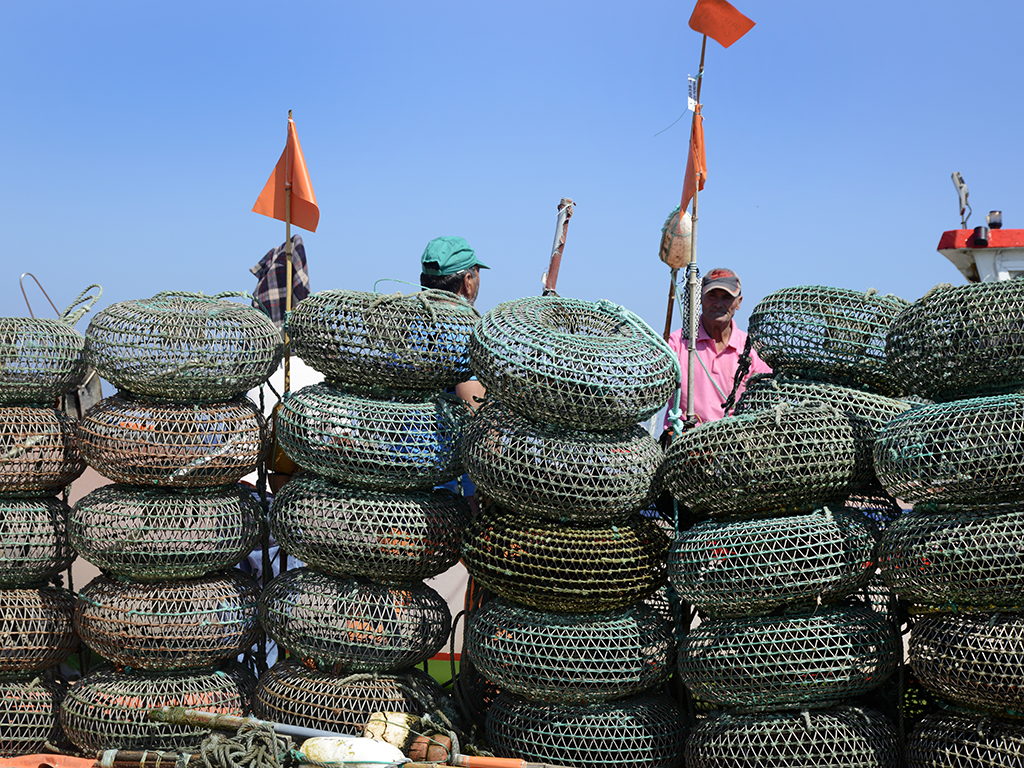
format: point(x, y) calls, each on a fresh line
point(790, 458)
point(571, 658)
point(387, 537)
point(107, 709)
point(414, 341)
point(139, 442)
point(36, 628)
point(961, 341)
point(828, 334)
point(965, 740)
point(966, 452)
point(38, 455)
point(557, 472)
point(183, 346)
point(355, 623)
point(840, 737)
point(753, 566)
point(879, 507)
point(29, 714)
point(589, 365)
point(171, 625)
point(807, 659)
point(566, 568)
point(151, 534)
point(644, 731)
point(40, 359)
point(406, 441)
point(34, 542)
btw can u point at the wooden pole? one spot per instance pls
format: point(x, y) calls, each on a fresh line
point(288, 256)
point(565, 209)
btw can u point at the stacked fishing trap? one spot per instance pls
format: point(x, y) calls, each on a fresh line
point(579, 636)
point(793, 635)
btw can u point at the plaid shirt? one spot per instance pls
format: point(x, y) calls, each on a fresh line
point(271, 272)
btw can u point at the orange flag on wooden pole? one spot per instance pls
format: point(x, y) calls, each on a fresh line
point(290, 173)
point(720, 21)
point(696, 163)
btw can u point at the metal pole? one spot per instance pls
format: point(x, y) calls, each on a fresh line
point(691, 272)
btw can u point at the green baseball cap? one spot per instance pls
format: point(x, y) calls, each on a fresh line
point(448, 255)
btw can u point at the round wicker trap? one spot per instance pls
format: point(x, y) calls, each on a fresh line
point(407, 441)
point(414, 341)
point(29, 715)
point(171, 625)
point(34, 542)
point(183, 346)
point(557, 472)
point(387, 537)
point(355, 623)
point(138, 442)
point(36, 628)
point(40, 359)
point(963, 739)
point(645, 731)
point(828, 334)
point(565, 568)
point(152, 534)
point(807, 659)
point(790, 458)
point(589, 365)
point(38, 455)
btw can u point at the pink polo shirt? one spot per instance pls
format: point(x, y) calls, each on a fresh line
point(722, 366)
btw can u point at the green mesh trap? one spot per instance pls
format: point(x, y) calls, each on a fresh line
point(355, 623)
point(38, 455)
point(387, 537)
point(40, 359)
point(184, 346)
point(645, 731)
point(139, 442)
point(561, 567)
point(975, 660)
point(966, 452)
point(804, 659)
point(840, 737)
point(790, 458)
point(152, 534)
point(827, 334)
point(414, 341)
point(108, 709)
point(557, 472)
point(571, 658)
point(879, 507)
point(30, 714)
point(409, 440)
point(34, 542)
point(581, 364)
point(754, 566)
point(963, 739)
point(170, 625)
point(36, 628)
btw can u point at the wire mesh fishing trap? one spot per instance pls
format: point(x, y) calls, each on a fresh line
point(29, 714)
point(409, 440)
point(644, 731)
point(34, 542)
point(180, 445)
point(790, 458)
point(184, 346)
point(565, 568)
point(38, 455)
point(387, 537)
point(840, 737)
point(355, 623)
point(963, 739)
point(171, 625)
point(152, 534)
point(387, 341)
point(807, 659)
point(572, 658)
point(36, 628)
point(108, 709)
point(966, 452)
point(580, 364)
point(827, 334)
point(750, 567)
point(40, 359)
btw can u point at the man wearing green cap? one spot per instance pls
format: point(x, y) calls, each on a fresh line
point(449, 264)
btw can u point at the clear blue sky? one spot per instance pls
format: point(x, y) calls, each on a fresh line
point(138, 135)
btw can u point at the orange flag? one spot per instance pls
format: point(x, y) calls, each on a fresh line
point(696, 163)
point(720, 21)
point(290, 173)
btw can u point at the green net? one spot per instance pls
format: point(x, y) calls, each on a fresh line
point(416, 341)
point(139, 442)
point(829, 334)
point(34, 542)
point(590, 365)
point(38, 454)
point(183, 346)
point(965, 739)
point(557, 472)
point(30, 715)
point(40, 359)
point(879, 507)
point(152, 534)
point(387, 537)
point(170, 625)
point(37, 630)
point(409, 440)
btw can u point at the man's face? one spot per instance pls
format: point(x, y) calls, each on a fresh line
point(471, 285)
point(719, 305)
